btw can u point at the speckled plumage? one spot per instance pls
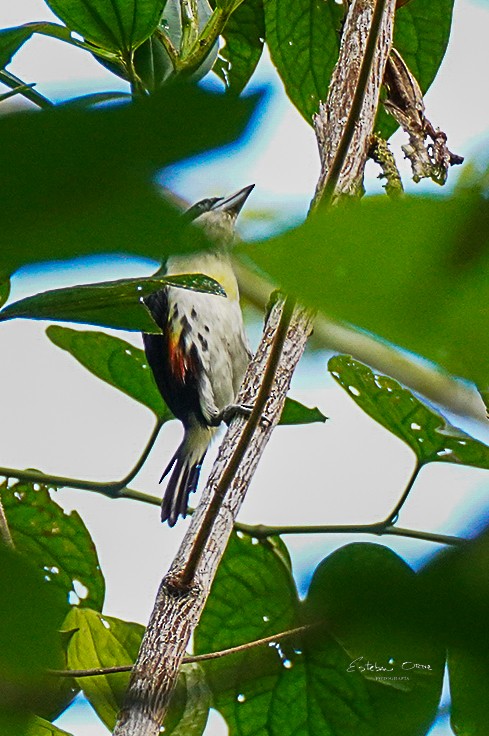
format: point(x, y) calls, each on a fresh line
point(201, 356)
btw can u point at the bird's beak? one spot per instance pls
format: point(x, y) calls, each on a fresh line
point(233, 204)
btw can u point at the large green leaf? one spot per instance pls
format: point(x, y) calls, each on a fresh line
point(421, 33)
point(370, 600)
point(58, 544)
point(117, 25)
point(303, 38)
point(30, 614)
point(90, 186)
point(310, 684)
point(115, 361)
point(244, 35)
point(4, 289)
point(101, 641)
point(413, 272)
point(431, 437)
point(115, 304)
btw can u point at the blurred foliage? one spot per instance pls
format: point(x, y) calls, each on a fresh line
point(80, 179)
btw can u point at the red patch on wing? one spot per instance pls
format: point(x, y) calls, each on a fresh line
point(182, 364)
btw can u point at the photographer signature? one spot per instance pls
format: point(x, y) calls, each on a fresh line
point(361, 665)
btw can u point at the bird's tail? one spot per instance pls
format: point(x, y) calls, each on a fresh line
point(186, 464)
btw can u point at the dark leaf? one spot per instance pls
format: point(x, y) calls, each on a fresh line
point(413, 272)
point(56, 543)
point(116, 25)
point(469, 679)
point(115, 304)
point(30, 612)
point(4, 289)
point(303, 38)
point(244, 35)
point(115, 361)
point(90, 186)
point(370, 600)
point(431, 437)
point(296, 413)
point(421, 33)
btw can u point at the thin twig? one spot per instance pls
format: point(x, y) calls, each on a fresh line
point(10, 80)
point(262, 531)
point(394, 514)
point(190, 659)
point(111, 489)
point(253, 421)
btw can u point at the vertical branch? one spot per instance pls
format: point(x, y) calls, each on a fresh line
point(178, 607)
point(345, 121)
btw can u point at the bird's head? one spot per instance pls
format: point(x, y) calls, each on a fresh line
point(217, 215)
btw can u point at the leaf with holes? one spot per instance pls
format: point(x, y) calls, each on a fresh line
point(427, 433)
point(296, 413)
point(303, 38)
point(421, 33)
point(244, 36)
point(56, 543)
point(116, 25)
point(90, 162)
point(116, 304)
point(114, 361)
point(101, 641)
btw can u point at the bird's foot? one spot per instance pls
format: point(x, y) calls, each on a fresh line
point(233, 410)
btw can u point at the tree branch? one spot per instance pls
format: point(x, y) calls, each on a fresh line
point(177, 609)
point(353, 97)
point(189, 659)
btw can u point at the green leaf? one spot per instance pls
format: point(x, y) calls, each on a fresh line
point(90, 163)
point(253, 596)
point(4, 289)
point(58, 544)
point(303, 38)
point(116, 25)
point(469, 679)
point(296, 413)
point(370, 599)
point(431, 437)
point(114, 361)
point(421, 33)
point(40, 727)
point(406, 271)
point(102, 641)
point(12, 39)
point(244, 35)
point(31, 613)
point(305, 684)
point(115, 304)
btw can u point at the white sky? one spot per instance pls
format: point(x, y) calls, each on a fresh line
point(57, 417)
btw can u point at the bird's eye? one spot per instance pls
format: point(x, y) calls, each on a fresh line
point(197, 209)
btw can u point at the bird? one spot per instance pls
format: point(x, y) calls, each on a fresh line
point(199, 359)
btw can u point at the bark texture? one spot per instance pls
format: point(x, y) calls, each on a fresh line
point(177, 610)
